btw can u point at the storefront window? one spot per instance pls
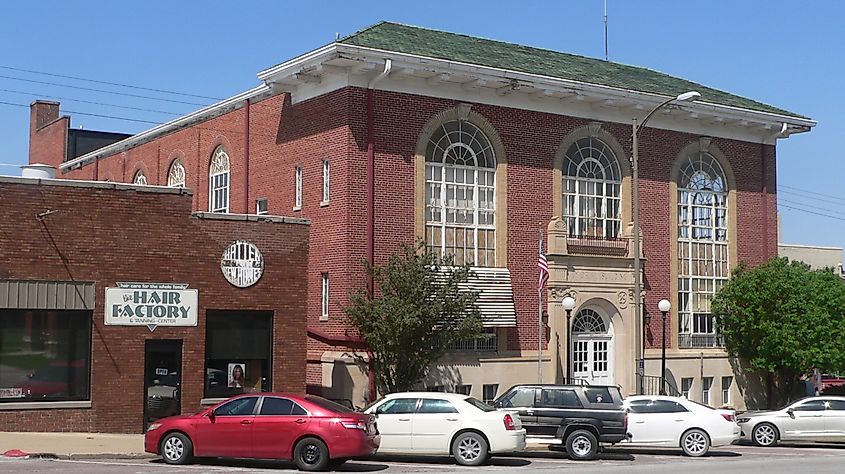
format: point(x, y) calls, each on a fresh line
point(237, 352)
point(44, 355)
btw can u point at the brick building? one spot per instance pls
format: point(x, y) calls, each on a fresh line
point(479, 147)
point(119, 306)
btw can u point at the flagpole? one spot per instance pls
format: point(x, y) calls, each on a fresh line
point(540, 322)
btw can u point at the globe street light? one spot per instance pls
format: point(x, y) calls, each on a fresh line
point(664, 306)
point(635, 184)
point(568, 305)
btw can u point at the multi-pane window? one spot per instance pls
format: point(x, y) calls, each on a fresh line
point(702, 248)
point(488, 342)
point(176, 175)
point(261, 206)
point(727, 381)
point(324, 314)
point(706, 384)
point(139, 178)
point(326, 181)
point(463, 389)
point(297, 200)
point(592, 185)
point(686, 387)
point(460, 175)
point(218, 182)
point(488, 392)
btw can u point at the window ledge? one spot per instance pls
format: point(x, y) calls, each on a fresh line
point(44, 405)
point(211, 401)
point(324, 203)
point(297, 208)
point(324, 317)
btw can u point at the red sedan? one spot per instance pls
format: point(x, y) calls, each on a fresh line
point(313, 432)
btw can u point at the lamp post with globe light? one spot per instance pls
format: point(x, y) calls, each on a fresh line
point(664, 306)
point(568, 305)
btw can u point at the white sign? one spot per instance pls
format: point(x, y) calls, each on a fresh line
point(15, 392)
point(242, 264)
point(151, 305)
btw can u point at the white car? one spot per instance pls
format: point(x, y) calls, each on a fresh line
point(445, 423)
point(677, 422)
point(808, 419)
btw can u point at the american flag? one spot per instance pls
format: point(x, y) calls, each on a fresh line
point(543, 263)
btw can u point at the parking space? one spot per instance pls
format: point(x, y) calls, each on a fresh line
point(741, 458)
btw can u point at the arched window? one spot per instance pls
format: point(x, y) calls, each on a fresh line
point(588, 321)
point(592, 185)
point(176, 175)
point(702, 247)
point(460, 177)
point(139, 178)
point(218, 182)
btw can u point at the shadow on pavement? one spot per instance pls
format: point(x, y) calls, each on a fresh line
point(560, 453)
point(714, 452)
point(497, 460)
point(350, 466)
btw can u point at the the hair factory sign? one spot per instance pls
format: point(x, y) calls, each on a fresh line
point(151, 305)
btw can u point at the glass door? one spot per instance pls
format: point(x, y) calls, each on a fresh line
point(162, 379)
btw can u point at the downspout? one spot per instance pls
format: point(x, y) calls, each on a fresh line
point(371, 207)
point(246, 157)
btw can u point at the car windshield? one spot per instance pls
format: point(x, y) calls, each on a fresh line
point(479, 404)
point(328, 404)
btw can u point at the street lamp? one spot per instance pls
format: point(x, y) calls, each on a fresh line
point(664, 306)
point(635, 184)
point(568, 305)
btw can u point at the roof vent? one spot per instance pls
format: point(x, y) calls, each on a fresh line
point(38, 171)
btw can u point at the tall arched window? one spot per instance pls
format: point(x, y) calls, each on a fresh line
point(702, 247)
point(592, 185)
point(176, 175)
point(460, 177)
point(218, 182)
point(139, 178)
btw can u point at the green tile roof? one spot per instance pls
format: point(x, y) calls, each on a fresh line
point(484, 52)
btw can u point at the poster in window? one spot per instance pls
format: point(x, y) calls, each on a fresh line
point(236, 375)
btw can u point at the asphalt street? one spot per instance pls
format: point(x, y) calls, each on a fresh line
point(739, 459)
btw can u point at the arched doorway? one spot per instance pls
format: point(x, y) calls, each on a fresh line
point(592, 348)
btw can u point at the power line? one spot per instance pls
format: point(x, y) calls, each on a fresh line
point(803, 196)
point(90, 114)
point(163, 91)
point(812, 207)
point(101, 90)
point(812, 212)
point(88, 102)
point(840, 198)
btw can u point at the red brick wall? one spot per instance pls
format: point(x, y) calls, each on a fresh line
point(107, 236)
point(334, 126)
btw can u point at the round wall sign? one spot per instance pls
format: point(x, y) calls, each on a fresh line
point(242, 264)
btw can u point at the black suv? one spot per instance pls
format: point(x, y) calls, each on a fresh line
point(581, 416)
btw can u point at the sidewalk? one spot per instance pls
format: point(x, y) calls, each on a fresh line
point(74, 445)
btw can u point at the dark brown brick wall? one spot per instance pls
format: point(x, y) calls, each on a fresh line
point(108, 236)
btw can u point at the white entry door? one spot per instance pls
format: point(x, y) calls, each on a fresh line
point(592, 348)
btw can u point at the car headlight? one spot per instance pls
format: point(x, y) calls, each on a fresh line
point(743, 420)
point(154, 426)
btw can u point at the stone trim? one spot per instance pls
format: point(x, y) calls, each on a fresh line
point(465, 113)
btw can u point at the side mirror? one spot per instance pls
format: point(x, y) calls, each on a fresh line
point(211, 415)
point(791, 413)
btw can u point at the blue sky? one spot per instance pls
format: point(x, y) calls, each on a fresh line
point(784, 53)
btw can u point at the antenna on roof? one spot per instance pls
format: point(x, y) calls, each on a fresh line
point(336, 36)
point(605, 31)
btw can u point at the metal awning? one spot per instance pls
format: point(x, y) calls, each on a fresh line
point(495, 296)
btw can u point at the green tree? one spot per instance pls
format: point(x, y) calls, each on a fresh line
point(417, 312)
point(784, 319)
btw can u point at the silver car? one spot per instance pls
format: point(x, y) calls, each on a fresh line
point(809, 419)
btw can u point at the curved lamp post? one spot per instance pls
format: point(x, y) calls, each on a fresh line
point(664, 306)
point(568, 305)
point(635, 184)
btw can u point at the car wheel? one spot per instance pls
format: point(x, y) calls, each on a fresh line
point(695, 443)
point(582, 445)
point(765, 434)
point(176, 448)
point(470, 449)
point(311, 454)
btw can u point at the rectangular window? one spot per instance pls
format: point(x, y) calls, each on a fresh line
point(44, 355)
point(489, 392)
point(261, 206)
point(324, 314)
point(706, 383)
point(686, 386)
point(326, 181)
point(238, 349)
point(488, 342)
point(463, 389)
point(297, 201)
point(219, 194)
point(727, 381)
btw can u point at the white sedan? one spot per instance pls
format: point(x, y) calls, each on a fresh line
point(445, 423)
point(808, 419)
point(677, 422)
